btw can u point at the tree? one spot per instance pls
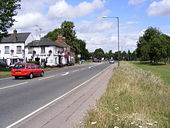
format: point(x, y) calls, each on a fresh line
point(7, 12)
point(153, 46)
point(82, 48)
point(99, 53)
point(67, 30)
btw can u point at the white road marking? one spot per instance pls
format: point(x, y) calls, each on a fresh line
point(13, 85)
point(75, 71)
point(52, 102)
point(89, 67)
point(46, 77)
point(65, 74)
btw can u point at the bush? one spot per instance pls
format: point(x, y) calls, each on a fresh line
point(5, 69)
point(35, 62)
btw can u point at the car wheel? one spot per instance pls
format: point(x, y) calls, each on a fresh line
point(42, 74)
point(31, 76)
point(16, 77)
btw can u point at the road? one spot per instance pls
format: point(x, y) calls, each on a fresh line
point(19, 98)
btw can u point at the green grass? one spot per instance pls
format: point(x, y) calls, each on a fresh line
point(5, 74)
point(135, 98)
point(161, 70)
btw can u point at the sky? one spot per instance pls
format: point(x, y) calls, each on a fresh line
point(42, 16)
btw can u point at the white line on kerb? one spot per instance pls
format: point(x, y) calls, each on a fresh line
point(50, 103)
point(13, 85)
point(65, 74)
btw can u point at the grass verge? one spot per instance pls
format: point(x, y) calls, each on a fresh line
point(161, 70)
point(134, 98)
point(5, 74)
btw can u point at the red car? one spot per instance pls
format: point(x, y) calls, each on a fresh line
point(26, 70)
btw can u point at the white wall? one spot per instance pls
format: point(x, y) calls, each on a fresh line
point(52, 59)
point(12, 46)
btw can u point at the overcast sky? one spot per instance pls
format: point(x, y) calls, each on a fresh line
point(135, 17)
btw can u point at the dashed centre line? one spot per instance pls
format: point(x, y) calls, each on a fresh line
point(11, 86)
point(65, 74)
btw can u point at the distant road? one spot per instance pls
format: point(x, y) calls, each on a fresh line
point(19, 98)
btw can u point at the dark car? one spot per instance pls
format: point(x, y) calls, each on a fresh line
point(3, 65)
point(70, 63)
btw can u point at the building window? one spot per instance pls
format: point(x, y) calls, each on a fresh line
point(6, 49)
point(19, 50)
point(30, 50)
point(42, 49)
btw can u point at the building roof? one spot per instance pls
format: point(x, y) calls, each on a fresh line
point(21, 37)
point(42, 42)
point(61, 43)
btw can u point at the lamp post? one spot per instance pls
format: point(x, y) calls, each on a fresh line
point(117, 34)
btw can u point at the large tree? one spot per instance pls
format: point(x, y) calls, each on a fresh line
point(99, 53)
point(67, 30)
point(7, 12)
point(153, 46)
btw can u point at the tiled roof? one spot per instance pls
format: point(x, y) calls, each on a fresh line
point(42, 42)
point(21, 37)
point(61, 43)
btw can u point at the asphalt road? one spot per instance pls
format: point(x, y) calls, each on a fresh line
point(19, 98)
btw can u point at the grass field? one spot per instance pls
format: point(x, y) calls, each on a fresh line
point(135, 98)
point(161, 70)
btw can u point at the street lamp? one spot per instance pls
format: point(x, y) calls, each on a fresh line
point(117, 34)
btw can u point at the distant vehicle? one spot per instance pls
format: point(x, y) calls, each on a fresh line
point(70, 63)
point(111, 61)
point(12, 65)
point(28, 70)
point(3, 65)
point(96, 60)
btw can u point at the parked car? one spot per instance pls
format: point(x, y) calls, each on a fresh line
point(70, 63)
point(111, 61)
point(28, 70)
point(3, 65)
point(96, 60)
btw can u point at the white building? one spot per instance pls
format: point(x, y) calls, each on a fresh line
point(46, 52)
point(12, 47)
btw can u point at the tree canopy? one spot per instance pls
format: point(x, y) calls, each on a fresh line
point(67, 30)
point(99, 53)
point(153, 46)
point(7, 12)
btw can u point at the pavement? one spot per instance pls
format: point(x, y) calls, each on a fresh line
point(70, 110)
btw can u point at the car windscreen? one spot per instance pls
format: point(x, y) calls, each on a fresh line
point(19, 66)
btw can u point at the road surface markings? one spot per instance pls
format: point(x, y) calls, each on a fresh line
point(46, 77)
point(89, 67)
point(13, 85)
point(54, 101)
point(75, 70)
point(65, 74)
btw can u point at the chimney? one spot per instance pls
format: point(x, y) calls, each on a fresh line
point(15, 35)
point(60, 37)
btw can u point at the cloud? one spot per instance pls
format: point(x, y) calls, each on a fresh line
point(161, 8)
point(132, 22)
point(91, 27)
point(64, 10)
point(134, 2)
